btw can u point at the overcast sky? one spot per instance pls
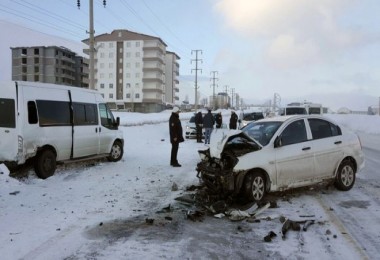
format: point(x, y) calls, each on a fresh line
point(324, 51)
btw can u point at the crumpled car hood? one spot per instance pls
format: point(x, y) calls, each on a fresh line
point(219, 138)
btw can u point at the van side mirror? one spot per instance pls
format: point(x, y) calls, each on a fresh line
point(117, 121)
point(278, 142)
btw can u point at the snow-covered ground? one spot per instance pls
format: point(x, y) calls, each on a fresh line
point(98, 210)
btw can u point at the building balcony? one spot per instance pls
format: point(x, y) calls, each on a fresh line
point(154, 90)
point(153, 80)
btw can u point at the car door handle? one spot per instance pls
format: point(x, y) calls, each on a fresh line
point(338, 142)
point(306, 148)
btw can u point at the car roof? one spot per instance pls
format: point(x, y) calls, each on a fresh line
point(290, 117)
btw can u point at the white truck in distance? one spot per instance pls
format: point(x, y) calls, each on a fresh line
point(50, 123)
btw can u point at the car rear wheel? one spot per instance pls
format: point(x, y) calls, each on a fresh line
point(45, 164)
point(254, 186)
point(116, 152)
point(345, 177)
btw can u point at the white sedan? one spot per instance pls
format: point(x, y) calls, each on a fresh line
point(280, 153)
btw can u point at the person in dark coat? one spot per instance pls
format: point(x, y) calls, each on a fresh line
point(219, 120)
point(233, 120)
point(198, 125)
point(176, 136)
point(208, 124)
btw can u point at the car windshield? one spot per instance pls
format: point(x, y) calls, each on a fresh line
point(296, 111)
point(192, 119)
point(261, 131)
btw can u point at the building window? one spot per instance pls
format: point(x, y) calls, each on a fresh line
point(120, 70)
point(128, 95)
point(102, 85)
point(128, 75)
point(24, 52)
point(128, 44)
point(36, 69)
point(137, 44)
point(137, 54)
point(110, 45)
point(24, 78)
point(101, 75)
point(128, 85)
point(110, 55)
point(128, 54)
point(110, 75)
point(111, 85)
point(24, 70)
point(128, 65)
point(36, 60)
point(102, 95)
point(137, 95)
point(137, 64)
point(36, 78)
point(102, 55)
point(137, 85)
point(36, 51)
point(23, 61)
point(111, 95)
point(102, 45)
point(110, 65)
point(137, 75)
point(102, 65)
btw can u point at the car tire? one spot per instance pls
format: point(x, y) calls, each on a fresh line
point(345, 177)
point(45, 164)
point(117, 152)
point(254, 186)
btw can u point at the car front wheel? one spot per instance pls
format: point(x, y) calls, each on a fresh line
point(345, 177)
point(116, 152)
point(254, 186)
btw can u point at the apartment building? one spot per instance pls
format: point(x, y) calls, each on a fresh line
point(49, 64)
point(171, 76)
point(131, 69)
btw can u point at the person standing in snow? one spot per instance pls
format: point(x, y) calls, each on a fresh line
point(198, 125)
point(233, 120)
point(219, 120)
point(176, 136)
point(208, 124)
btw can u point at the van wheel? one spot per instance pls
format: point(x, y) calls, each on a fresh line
point(254, 186)
point(45, 164)
point(345, 177)
point(116, 152)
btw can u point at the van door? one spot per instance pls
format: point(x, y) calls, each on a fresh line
point(107, 129)
point(8, 133)
point(86, 129)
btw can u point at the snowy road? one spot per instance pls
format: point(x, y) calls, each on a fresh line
point(99, 210)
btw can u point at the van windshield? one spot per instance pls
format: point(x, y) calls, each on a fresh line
point(7, 113)
point(296, 111)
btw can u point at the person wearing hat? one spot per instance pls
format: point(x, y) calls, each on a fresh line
point(176, 136)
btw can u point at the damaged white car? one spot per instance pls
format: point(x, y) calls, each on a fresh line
point(279, 153)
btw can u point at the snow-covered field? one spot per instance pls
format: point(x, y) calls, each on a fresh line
point(98, 210)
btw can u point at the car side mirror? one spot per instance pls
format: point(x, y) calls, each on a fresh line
point(278, 142)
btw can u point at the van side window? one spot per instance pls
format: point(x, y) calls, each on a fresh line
point(53, 113)
point(106, 117)
point(7, 113)
point(32, 113)
point(85, 114)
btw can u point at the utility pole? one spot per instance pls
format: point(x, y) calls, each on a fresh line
point(226, 91)
point(214, 73)
point(196, 75)
point(232, 97)
point(91, 32)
